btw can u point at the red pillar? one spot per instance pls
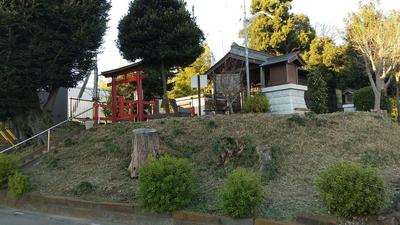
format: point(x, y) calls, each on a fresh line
point(140, 98)
point(114, 100)
point(121, 110)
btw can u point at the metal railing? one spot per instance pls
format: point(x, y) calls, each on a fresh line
point(48, 131)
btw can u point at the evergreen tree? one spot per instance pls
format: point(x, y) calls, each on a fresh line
point(276, 30)
point(161, 33)
point(317, 93)
point(45, 45)
point(339, 67)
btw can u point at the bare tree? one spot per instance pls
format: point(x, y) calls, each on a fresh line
point(377, 38)
point(397, 76)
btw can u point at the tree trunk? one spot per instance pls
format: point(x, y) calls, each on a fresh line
point(398, 100)
point(145, 143)
point(51, 100)
point(378, 93)
point(376, 85)
point(165, 92)
point(29, 124)
point(377, 105)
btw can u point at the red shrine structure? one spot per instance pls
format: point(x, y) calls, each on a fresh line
point(122, 108)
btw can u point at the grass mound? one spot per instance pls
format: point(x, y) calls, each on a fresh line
point(215, 146)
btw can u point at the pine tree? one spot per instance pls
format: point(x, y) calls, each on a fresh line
point(276, 30)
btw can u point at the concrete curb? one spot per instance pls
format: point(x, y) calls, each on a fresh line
point(127, 213)
point(317, 220)
point(199, 218)
point(112, 212)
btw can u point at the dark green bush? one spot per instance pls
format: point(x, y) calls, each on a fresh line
point(256, 104)
point(52, 162)
point(69, 142)
point(166, 185)
point(8, 166)
point(242, 193)
point(84, 187)
point(351, 190)
point(296, 119)
point(364, 100)
point(317, 94)
point(18, 185)
point(212, 124)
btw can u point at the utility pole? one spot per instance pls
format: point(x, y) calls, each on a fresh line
point(96, 81)
point(246, 40)
point(199, 93)
point(96, 93)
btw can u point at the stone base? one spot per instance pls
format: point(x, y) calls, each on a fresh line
point(349, 108)
point(286, 99)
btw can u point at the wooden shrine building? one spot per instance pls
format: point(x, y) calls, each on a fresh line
point(281, 78)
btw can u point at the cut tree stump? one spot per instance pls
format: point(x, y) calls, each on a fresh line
point(145, 143)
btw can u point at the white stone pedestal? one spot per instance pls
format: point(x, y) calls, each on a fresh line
point(286, 99)
point(349, 108)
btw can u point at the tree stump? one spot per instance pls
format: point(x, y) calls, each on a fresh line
point(145, 143)
point(265, 157)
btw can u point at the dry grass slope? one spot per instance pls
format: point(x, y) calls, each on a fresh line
point(305, 145)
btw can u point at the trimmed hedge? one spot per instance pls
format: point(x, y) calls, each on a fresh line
point(242, 193)
point(351, 190)
point(166, 185)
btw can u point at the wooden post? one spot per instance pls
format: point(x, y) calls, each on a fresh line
point(48, 141)
point(114, 100)
point(262, 77)
point(199, 93)
point(121, 111)
point(145, 143)
point(140, 107)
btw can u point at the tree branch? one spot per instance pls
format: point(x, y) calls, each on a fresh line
point(369, 73)
point(388, 82)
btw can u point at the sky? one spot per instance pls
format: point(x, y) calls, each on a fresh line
point(221, 21)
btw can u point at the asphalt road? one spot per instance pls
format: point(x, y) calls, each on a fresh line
point(16, 217)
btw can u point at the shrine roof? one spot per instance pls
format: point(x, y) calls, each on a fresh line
point(133, 67)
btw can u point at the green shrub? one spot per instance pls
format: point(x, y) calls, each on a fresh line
point(18, 185)
point(212, 124)
point(69, 142)
point(52, 162)
point(296, 119)
point(8, 166)
point(256, 104)
point(317, 94)
point(166, 185)
point(350, 190)
point(242, 193)
point(364, 100)
point(84, 187)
